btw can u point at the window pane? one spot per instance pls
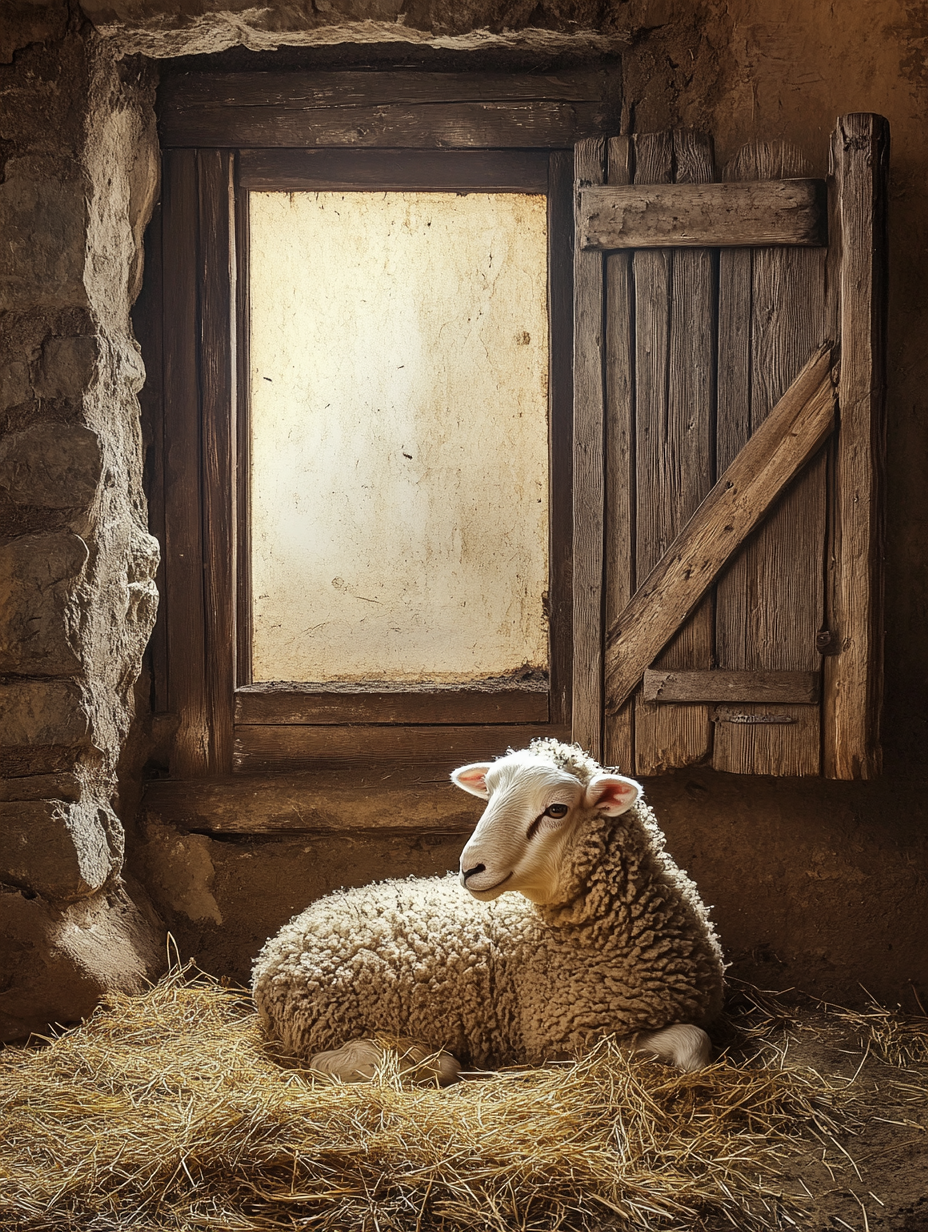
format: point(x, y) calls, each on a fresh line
point(399, 351)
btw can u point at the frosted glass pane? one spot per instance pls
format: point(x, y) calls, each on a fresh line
point(399, 357)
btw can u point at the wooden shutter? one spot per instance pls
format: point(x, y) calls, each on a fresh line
point(728, 443)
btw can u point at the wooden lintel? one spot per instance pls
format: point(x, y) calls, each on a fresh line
point(391, 109)
point(791, 435)
point(724, 686)
point(728, 215)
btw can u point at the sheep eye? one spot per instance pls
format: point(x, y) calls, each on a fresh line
point(556, 810)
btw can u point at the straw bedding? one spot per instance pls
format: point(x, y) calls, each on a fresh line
point(168, 1111)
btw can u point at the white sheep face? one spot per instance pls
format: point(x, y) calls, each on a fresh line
point(534, 808)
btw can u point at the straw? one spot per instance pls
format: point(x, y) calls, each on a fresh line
point(169, 1111)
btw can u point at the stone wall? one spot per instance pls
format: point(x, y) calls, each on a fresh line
point(77, 597)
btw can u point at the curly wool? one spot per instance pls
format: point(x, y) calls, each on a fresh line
point(626, 946)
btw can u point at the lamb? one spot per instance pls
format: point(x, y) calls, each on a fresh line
point(605, 936)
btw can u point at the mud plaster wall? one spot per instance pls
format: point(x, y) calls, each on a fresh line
point(816, 884)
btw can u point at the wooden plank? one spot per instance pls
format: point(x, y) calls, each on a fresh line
point(270, 747)
point(317, 803)
point(244, 631)
point(262, 704)
point(704, 215)
point(769, 603)
point(290, 170)
point(854, 676)
point(347, 88)
point(393, 109)
point(560, 432)
point(618, 729)
point(588, 485)
point(675, 425)
point(217, 392)
point(723, 686)
point(183, 520)
point(784, 443)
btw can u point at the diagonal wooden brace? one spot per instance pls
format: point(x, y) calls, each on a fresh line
point(788, 438)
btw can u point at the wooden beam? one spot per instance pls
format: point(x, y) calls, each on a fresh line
point(854, 676)
point(722, 686)
point(262, 704)
point(263, 749)
point(394, 109)
point(793, 432)
point(707, 215)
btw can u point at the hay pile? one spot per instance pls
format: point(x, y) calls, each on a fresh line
point(167, 1111)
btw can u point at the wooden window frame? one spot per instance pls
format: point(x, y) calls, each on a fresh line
point(225, 724)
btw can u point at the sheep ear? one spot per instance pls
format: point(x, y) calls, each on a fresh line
point(612, 794)
point(473, 778)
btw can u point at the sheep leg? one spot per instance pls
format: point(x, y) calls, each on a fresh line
point(359, 1060)
point(683, 1045)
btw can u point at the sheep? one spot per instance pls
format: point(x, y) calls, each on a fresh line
point(605, 936)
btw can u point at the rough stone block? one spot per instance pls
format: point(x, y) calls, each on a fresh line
point(15, 386)
point(51, 464)
point(68, 367)
point(38, 620)
point(63, 786)
point(55, 849)
point(42, 220)
point(46, 712)
point(56, 962)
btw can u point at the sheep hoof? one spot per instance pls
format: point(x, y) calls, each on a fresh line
point(682, 1045)
point(359, 1060)
point(355, 1061)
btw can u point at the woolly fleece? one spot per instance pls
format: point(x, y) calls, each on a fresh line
point(626, 947)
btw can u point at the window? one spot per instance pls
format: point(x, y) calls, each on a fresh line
point(366, 451)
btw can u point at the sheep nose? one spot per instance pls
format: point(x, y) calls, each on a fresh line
point(478, 868)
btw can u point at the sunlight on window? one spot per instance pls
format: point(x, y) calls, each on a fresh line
point(399, 351)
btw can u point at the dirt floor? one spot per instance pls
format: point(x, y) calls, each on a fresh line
point(871, 1175)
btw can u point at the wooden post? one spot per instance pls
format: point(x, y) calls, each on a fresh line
point(854, 675)
point(183, 523)
point(588, 471)
point(218, 384)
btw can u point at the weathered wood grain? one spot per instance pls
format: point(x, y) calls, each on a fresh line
point(721, 686)
point(560, 432)
point(269, 747)
point(186, 641)
point(778, 450)
point(619, 567)
point(854, 676)
point(769, 603)
point(394, 109)
point(262, 704)
point(588, 478)
point(244, 624)
point(217, 395)
point(288, 170)
point(706, 215)
point(394, 800)
point(674, 429)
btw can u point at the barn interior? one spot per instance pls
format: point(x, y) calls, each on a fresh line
point(114, 833)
